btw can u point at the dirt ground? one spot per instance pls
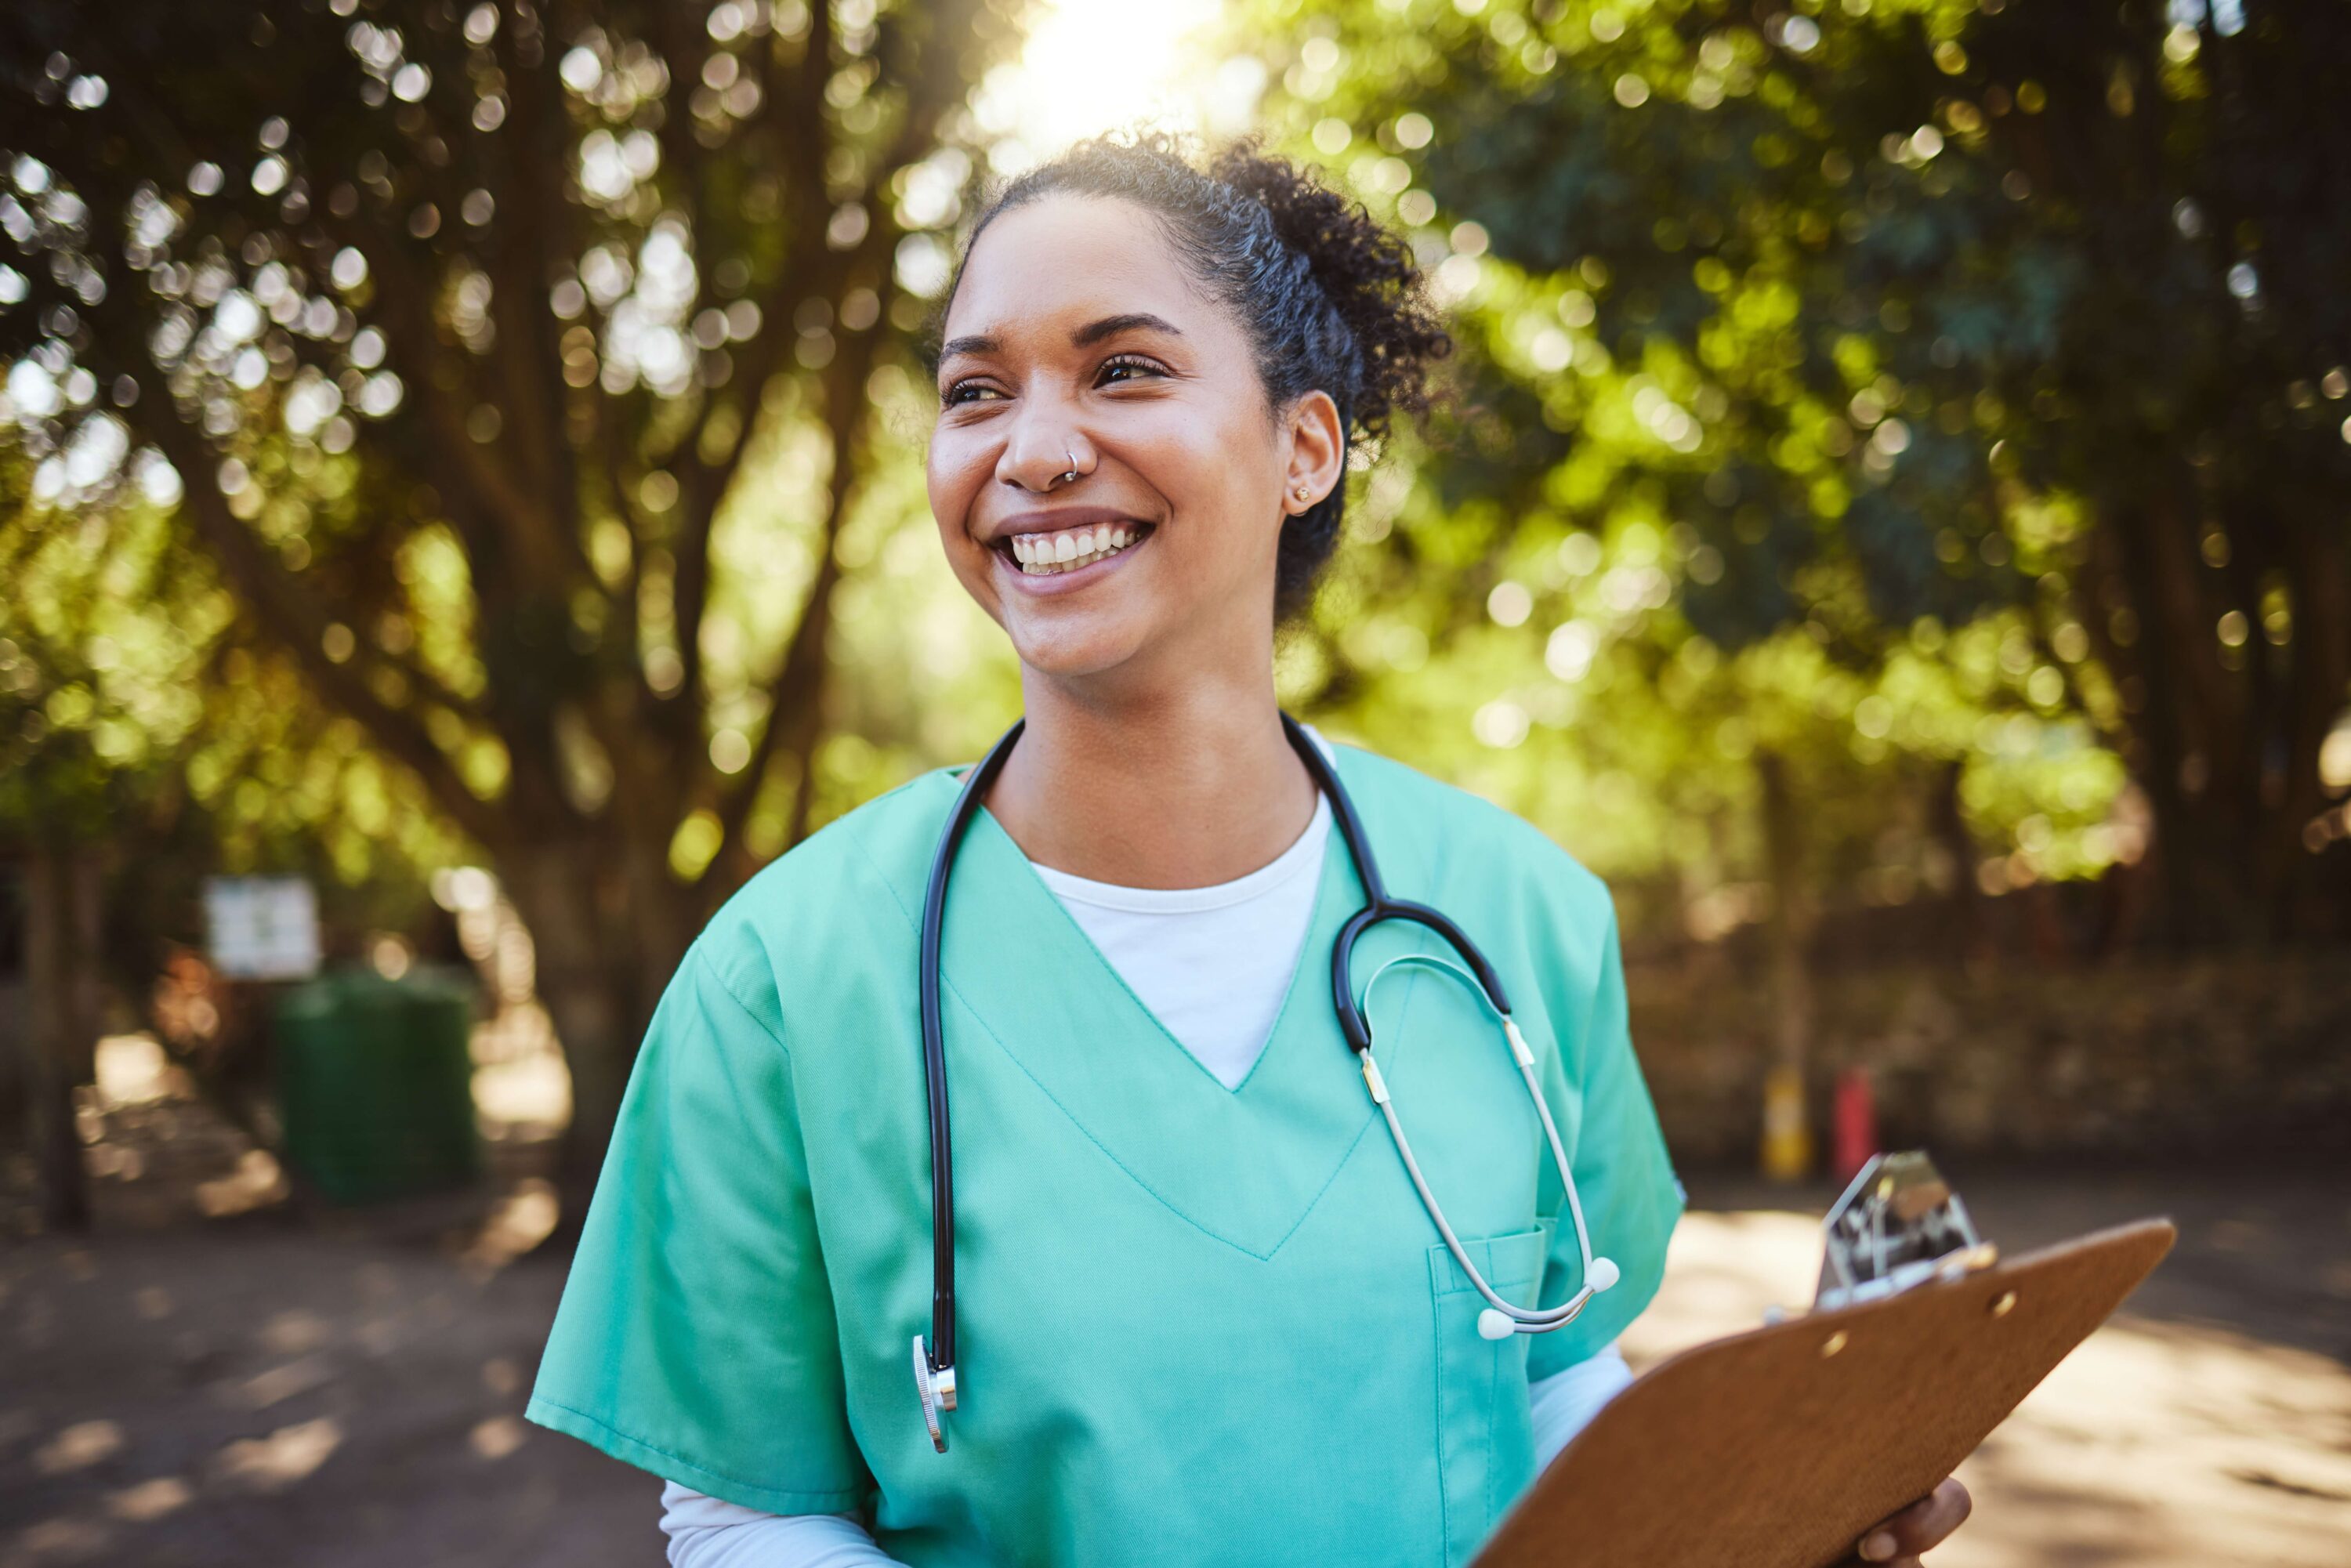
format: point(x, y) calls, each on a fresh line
point(195, 1385)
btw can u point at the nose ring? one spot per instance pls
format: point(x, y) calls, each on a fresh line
point(1073, 473)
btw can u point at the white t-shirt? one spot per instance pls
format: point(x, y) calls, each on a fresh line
point(1247, 934)
point(1213, 964)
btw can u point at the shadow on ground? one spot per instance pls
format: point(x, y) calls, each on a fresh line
point(184, 1391)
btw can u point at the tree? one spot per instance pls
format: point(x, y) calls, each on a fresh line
point(460, 328)
point(1924, 312)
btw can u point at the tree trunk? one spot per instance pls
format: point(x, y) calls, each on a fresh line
point(1967, 940)
point(2228, 757)
point(2318, 691)
point(60, 970)
point(1787, 1131)
point(609, 926)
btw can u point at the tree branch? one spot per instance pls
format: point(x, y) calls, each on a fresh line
point(532, 203)
point(795, 697)
point(292, 618)
point(933, 85)
point(808, 271)
point(527, 522)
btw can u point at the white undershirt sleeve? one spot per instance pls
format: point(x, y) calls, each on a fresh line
point(1564, 1403)
point(705, 1532)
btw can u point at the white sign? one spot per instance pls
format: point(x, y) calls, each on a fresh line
point(262, 927)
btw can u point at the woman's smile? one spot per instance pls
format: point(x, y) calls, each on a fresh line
point(1043, 555)
point(1054, 551)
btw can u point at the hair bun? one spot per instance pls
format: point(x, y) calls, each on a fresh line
point(1364, 268)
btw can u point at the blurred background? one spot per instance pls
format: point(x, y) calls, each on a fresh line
point(461, 515)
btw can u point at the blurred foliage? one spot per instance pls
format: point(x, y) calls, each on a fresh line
point(125, 684)
point(433, 430)
point(1877, 384)
point(526, 380)
point(135, 717)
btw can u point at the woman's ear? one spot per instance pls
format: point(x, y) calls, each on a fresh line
point(1318, 452)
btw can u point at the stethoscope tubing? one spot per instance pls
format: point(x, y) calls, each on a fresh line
point(934, 1053)
point(1525, 1320)
point(1377, 905)
point(1353, 1023)
point(939, 1353)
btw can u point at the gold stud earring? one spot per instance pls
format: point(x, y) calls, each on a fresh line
point(1304, 493)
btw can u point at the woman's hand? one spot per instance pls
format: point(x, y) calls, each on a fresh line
point(1899, 1539)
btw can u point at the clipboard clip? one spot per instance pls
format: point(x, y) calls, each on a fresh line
point(1898, 1226)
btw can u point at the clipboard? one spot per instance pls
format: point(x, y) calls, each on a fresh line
point(1779, 1448)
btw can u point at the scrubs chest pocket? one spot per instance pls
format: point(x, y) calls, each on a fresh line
point(1485, 1444)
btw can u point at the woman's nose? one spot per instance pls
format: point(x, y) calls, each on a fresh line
point(1042, 452)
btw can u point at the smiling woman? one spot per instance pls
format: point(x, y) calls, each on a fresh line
point(1183, 1302)
point(1132, 336)
point(1150, 378)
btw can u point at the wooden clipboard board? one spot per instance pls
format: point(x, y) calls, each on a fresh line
point(1779, 1448)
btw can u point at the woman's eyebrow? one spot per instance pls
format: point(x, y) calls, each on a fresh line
point(1111, 326)
point(1084, 337)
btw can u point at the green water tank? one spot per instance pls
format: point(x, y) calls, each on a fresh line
point(375, 1083)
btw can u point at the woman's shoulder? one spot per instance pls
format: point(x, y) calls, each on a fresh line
point(851, 883)
point(1451, 828)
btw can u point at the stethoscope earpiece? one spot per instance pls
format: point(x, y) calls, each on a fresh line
point(1495, 1324)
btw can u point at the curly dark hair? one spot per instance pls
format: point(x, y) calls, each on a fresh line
point(1330, 298)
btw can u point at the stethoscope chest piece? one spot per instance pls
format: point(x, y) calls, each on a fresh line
point(936, 1386)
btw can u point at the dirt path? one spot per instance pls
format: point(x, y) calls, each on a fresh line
point(256, 1392)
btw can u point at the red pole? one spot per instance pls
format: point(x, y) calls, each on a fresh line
point(1856, 1122)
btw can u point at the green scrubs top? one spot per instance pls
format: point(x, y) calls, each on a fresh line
point(1198, 1326)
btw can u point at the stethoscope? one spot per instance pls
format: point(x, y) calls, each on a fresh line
point(935, 1362)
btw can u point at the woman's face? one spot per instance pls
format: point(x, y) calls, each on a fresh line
point(1077, 340)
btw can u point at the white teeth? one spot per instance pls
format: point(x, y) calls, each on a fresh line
point(1044, 555)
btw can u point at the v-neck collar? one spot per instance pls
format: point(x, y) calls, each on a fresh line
point(1245, 1165)
point(1324, 892)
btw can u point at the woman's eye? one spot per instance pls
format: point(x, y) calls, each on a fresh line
point(968, 392)
point(1126, 370)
